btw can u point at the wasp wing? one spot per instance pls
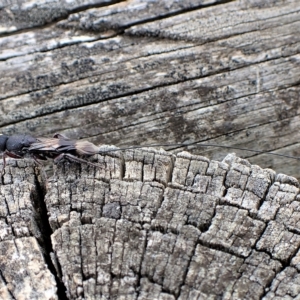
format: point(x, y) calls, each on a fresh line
point(52, 145)
point(86, 148)
point(61, 145)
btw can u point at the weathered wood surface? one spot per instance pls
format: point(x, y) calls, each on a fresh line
point(152, 225)
point(147, 224)
point(140, 72)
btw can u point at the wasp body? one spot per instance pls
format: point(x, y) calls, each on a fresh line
point(57, 148)
point(15, 145)
point(60, 147)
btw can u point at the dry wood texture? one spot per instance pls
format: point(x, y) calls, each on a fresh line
point(148, 224)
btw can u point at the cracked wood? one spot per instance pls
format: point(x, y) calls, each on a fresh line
point(151, 224)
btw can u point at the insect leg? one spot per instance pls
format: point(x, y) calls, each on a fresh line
point(12, 155)
point(73, 158)
point(8, 154)
point(36, 158)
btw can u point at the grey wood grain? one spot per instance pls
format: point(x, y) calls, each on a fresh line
point(150, 224)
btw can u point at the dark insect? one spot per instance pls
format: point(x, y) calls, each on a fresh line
point(60, 147)
point(57, 148)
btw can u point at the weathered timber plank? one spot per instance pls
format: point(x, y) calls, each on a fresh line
point(238, 16)
point(179, 102)
point(27, 14)
point(107, 17)
point(158, 123)
point(229, 19)
point(88, 25)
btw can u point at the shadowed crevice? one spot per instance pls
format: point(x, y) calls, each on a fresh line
point(46, 231)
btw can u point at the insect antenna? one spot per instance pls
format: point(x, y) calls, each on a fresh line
point(199, 145)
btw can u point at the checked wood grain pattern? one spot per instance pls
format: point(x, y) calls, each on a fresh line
point(149, 224)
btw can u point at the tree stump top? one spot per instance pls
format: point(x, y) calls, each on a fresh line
point(148, 224)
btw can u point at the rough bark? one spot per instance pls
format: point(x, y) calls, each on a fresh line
point(149, 224)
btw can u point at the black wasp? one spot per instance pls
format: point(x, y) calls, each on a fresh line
point(60, 147)
point(57, 148)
